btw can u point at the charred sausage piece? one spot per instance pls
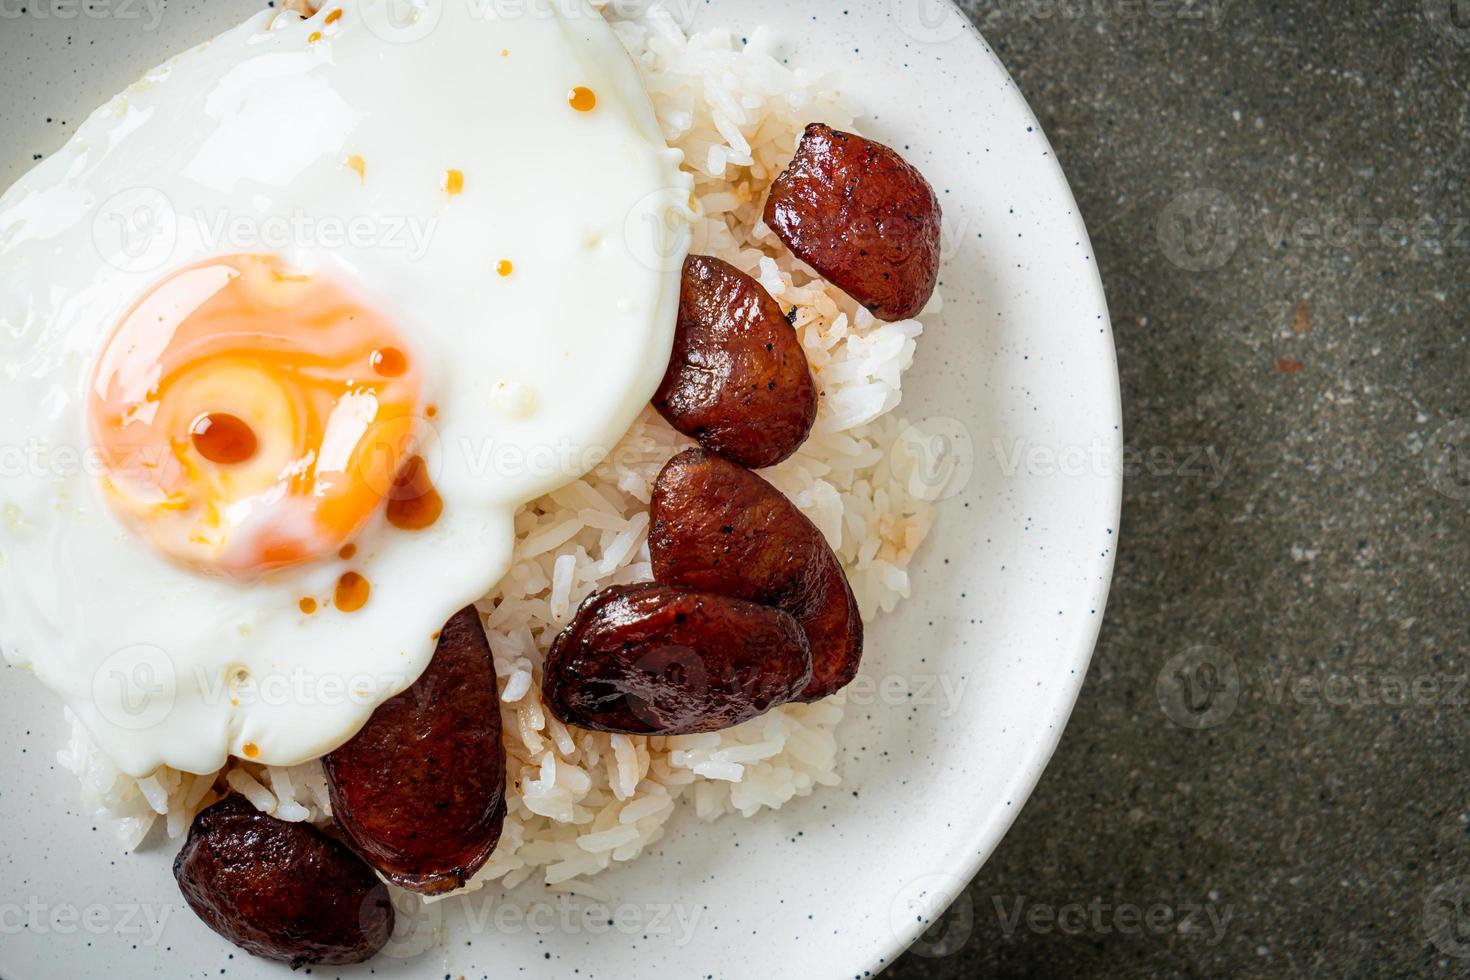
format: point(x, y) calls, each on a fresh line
point(284, 891)
point(720, 528)
point(860, 215)
point(420, 791)
point(738, 380)
point(659, 660)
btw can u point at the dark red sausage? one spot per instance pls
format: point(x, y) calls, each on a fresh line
point(738, 379)
point(860, 215)
point(718, 527)
point(420, 791)
point(658, 660)
point(284, 891)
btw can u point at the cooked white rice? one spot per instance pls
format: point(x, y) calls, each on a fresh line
point(580, 801)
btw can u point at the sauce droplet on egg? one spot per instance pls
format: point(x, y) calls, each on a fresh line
point(414, 503)
point(314, 37)
point(352, 592)
point(357, 165)
point(582, 98)
point(453, 181)
point(504, 267)
point(334, 16)
point(348, 550)
point(308, 605)
point(252, 751)
point(223, 438)
point(389, 362)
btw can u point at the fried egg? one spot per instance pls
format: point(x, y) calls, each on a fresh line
point(290, 329)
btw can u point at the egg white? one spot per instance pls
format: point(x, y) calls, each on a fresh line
point(245, 144)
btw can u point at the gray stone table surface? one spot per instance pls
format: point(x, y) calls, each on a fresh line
point(1264, 772)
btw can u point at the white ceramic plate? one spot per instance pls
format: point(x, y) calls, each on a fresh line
point(972, 680)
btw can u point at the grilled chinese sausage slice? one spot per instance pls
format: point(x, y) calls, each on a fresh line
point(720, 528)
point(855, 211)
point(284, 891)
point(420, 791)
point(738, 380)
point(659, 660)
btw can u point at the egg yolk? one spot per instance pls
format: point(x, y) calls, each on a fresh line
point(249, 418)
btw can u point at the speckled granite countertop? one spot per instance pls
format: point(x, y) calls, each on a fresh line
point(1263, 773)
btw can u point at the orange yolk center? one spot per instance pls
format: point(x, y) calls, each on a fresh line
point(251, 418)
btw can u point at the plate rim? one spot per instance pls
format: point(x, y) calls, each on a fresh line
point(967, 851)
point(988, 833)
